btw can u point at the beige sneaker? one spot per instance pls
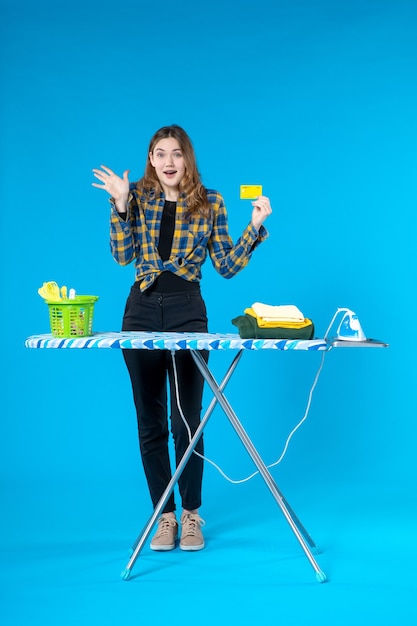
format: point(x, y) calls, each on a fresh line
point(191, 535)
point(166, 535)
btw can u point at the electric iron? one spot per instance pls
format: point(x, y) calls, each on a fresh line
point(349, 332)
point(349, 328)
point(347, 325)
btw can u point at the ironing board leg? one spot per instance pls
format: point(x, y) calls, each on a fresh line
point(313, 546)
point(141, 539)
point(263, 470)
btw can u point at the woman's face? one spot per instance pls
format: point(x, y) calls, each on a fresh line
point(169, 164)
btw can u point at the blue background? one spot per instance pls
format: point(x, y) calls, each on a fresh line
point(317, 102)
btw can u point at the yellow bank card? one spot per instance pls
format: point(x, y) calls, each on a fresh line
point(249, 192)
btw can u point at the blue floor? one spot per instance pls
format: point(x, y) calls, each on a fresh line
point(63, 552)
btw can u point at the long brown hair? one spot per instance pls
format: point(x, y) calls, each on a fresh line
point(190, 185)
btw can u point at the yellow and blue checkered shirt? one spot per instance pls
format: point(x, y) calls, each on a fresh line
point(136, 239)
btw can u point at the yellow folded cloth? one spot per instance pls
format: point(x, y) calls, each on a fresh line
point(281, 313)
point(275, 323)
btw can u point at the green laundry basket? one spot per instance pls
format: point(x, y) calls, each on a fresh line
point(72, 318)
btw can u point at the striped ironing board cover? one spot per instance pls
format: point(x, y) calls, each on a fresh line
point(173, 341)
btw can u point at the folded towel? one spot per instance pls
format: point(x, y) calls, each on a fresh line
point(249, 329)
point(283, 313)
point(275, 323)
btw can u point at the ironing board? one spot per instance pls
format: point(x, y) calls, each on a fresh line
point(195, 342)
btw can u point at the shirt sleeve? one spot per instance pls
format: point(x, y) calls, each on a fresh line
point(228, 258)
point(122, 242)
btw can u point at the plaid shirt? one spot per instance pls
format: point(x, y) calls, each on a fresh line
point(136, 239)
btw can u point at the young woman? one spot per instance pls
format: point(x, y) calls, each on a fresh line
point(166, 224)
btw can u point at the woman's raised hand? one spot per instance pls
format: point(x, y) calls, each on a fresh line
point(261, 210)
point(116, 186)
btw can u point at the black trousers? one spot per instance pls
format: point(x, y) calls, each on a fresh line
point(149, 373)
